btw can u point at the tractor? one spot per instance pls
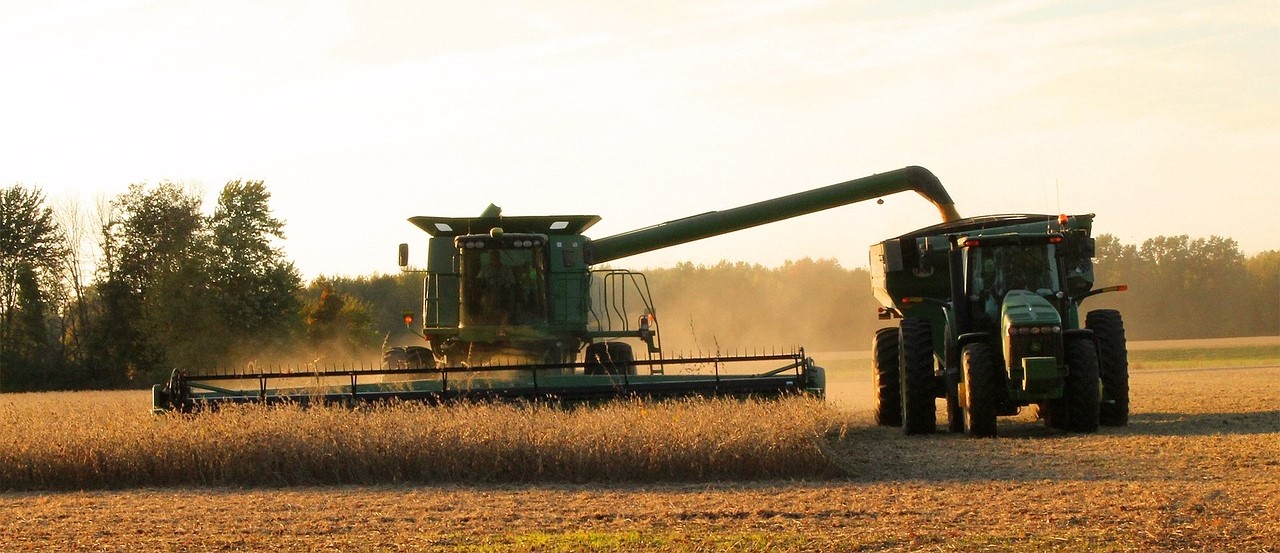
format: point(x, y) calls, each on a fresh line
point(990, 322)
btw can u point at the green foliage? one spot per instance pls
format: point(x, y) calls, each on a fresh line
point(253, 287)
point(30, 253)
point(1189, 288)
point(338, 325)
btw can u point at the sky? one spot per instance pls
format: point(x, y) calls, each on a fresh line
point(1162, 117)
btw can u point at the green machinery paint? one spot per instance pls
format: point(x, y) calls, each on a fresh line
point(990, 310)
point(513, 307)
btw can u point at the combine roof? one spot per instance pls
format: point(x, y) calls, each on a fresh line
point(542, 224)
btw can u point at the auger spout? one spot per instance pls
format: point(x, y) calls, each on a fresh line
point(715, 223)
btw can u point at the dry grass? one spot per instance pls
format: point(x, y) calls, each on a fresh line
point(109, 440)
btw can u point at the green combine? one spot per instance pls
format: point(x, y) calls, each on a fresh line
point(990, 310)
point(514, 308)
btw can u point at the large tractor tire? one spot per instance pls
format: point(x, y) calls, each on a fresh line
point(1077, 411)
point(982, 389)
point(1113, 366)
point(885, 378)
point(955, 411)
point(916, 377)
point(612, 358)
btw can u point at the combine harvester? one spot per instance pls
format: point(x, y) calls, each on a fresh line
point(990, 310)
point(512, 309)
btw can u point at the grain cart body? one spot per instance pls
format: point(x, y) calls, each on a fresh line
point(990, 310)
point(513, 308)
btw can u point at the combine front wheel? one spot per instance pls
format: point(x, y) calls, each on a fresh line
point(610, 358)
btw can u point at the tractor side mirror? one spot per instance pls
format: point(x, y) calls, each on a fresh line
point(404, 255)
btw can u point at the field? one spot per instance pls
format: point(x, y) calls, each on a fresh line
point(1198, 468)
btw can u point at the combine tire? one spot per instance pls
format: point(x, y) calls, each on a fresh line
point(1077, 411)
point(884, 377)
point(418, 357)
point(612, 358)
point(982, 389)
point(1113, 366)
point(915, 363)
point(394, 358)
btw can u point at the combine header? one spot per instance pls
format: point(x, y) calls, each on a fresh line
point(513, 309)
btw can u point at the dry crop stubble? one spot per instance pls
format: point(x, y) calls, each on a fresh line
point(108, 440)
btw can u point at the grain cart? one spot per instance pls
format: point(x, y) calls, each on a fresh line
point(990, 310)
point(513, 308)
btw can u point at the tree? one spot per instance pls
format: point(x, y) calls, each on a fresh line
point(255, 290)
point(154, 311)
point(30, 251)
point(339, 327)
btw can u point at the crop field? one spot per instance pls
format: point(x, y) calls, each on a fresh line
point(1198, 468)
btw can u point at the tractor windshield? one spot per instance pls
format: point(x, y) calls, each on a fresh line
point(999, 268)
point(504, 286)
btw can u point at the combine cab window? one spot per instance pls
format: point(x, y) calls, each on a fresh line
point(504, 286)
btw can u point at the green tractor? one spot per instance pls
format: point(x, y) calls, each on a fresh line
point(990, 310)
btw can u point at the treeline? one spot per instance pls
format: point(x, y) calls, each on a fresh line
point(145, 282)
point(120, 295)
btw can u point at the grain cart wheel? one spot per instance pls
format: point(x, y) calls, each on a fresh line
point(1080, 389)
point(884, 377)
point(982, 389)
point(1113, 366)
point(610, 358)
point(915, 364)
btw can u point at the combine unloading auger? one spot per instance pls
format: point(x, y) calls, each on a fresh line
point(513, 309)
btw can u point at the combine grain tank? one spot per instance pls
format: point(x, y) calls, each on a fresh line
point(990, 310)
point(513, 308)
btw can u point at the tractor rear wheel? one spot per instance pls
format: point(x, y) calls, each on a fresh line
point(1080, 392)
point(916, 377)
point(884, 377)
point(955, 411)
point(1113, 366)
point(614, 358)
point(982, 389)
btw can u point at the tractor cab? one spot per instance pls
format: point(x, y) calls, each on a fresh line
point(1012, 280)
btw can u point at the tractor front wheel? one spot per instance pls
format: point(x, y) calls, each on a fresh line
point(916, 378)
point(1113, 366)
point(884, 377)
point(982, 389)
point(1077, 410)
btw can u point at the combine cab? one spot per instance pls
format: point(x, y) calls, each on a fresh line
point(512, 308)
point(990, 310)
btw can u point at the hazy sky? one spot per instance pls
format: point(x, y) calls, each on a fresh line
point(1161, 117)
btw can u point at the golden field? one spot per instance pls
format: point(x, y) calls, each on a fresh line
point(1198, 468)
